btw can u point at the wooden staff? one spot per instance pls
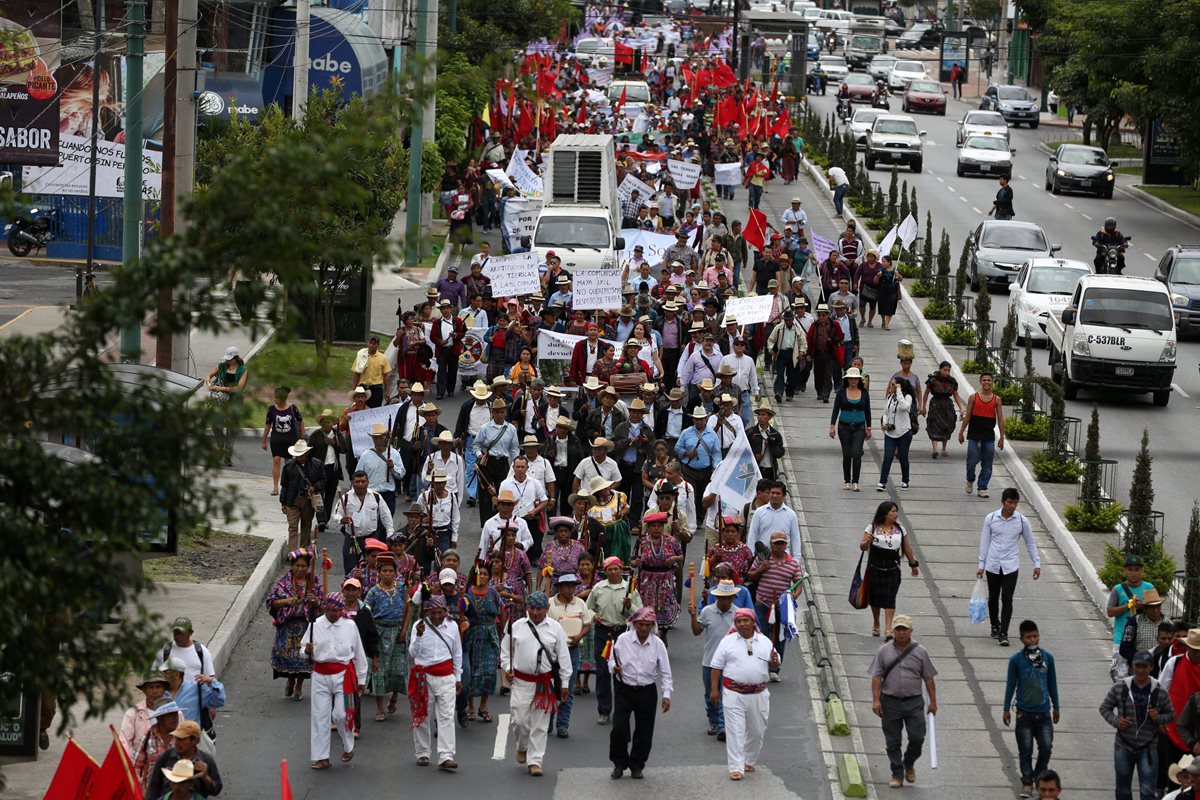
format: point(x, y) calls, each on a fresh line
point(325, 568)
point(692, 582)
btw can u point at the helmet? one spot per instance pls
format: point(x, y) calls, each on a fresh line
point(1110, 224)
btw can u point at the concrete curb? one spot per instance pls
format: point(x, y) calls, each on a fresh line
point(1032, 491)
point(1144, 197)
point(247, 602)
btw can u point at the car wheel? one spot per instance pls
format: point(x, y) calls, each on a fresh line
point(1054, 187)
point(1162, 397)
point(959, 171)
point(942, 112)
point(904, 107)
point(974, 281)
point(1070, 388)
point(1108, 194)
point(870, 162)
point(1033, 125)
point(916, 166)
point(1047, 184)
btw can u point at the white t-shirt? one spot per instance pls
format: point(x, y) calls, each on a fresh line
point(189, 658)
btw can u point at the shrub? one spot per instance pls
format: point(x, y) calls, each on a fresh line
point(921, 289)
point(1033, 429)
point(955, 335)
point(1141, 533)
point(909, 271)
point(1010, 393)
point(973, 367)
point(1048, 468)
point(1159, 568)
point(1093, 517)
point(938, 309)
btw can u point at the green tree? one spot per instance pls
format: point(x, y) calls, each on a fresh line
point(486, 31)
point(983, 324)
point(893, 196)
point(960, 283)
point(904, 211)
point(927, 249)
point(1140, 533)
point(912, 206)
point(1191, 559)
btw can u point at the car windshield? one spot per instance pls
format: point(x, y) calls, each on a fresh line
point(1052, 280)
point(571, 232)
point(985, 118)
point(1186, 271)
point(1005, 237)
point(1012, 93)
point(634, 92)
point(1083, 155)
point(919, 28)
point(925, 86)
point(904, 126)
point(883, 61)
point(588, 46)
point(865, 116)
point(860, 79)
point(865, 42)
point(834, 61)
point(1122, 308)
point(909, 66)
point(987, 143)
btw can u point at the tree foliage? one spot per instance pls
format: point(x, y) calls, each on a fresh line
point(487, 30)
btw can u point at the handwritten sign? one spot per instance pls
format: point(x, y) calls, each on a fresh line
point(727, 174)
point(513, 275)
point(653, 245)
point(625, 190)
point(520, 217)
point(685, 173)
point(596, 288)
point(525, 179)
point(553, 346)
point(500, 178)
point(361, 423)
point(750, 310)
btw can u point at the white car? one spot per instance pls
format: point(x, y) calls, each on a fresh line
point(834, 67)
point(637, 93)
point(1043, 286)
point(588, 50)
point(880, 66)
point(985, 154)
point(861, 122)
point(981, 122)
point(903, 72)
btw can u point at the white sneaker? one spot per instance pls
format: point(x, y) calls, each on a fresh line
point(846, 486)
point(969, 487)
point(904, 486)
point(854, 487)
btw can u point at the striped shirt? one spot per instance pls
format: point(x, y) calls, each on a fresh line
point(778, 578)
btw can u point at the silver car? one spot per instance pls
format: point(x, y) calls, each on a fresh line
point(999, 248)
point(981, 122)
point(861, 123)
point(985, 154)
point(834, 67)
point(880, 66)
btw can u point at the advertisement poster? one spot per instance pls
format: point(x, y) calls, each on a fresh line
point(30, 49)
point(73, 176)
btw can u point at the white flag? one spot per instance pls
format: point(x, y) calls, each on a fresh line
point(885, 247)
point(736, 476)
point(908, 232)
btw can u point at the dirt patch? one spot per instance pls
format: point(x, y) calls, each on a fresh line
point(210, 557)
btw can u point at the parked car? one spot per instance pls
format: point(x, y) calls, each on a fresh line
point(1014, 103)
point(904, 72)
point(919, 36)
point(984, 154)
point(1179, 269)
point(925, 96)
point(999, 247)
point(977, 122)
point(894, 139)
point(1043, 286)
point(861, 87)
point(880, 66)
point(861, 123)
point(1074, 167)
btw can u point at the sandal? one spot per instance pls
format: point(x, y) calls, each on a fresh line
point(749, 768)
point(298, 695)
point(391, 708)
point(735, 776)
point(380, 716)
point(322, 764)
point(875, 631)
point(347, 756)
point(485, 716)
point(470, 715)
point(712, 730)
point(275, 493)
point(585, 689)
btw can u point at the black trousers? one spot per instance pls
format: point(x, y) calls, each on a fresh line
point(604, 681)
point(670, 359)
point(376, 398)
point(495, 471)
point(330, 493)
point(699, 479)
point(639, 702)
point(447, 372)
point(563, 479)
point(1000, 596)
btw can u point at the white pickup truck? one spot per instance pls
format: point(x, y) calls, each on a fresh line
point(1117, 333)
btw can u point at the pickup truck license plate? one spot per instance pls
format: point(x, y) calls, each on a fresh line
point(985, 168)
point(1124, 372)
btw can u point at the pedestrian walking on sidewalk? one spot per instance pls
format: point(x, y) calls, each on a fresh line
point(938, 408)
point(999, 559)
point(1140, 709)
point(824, 343)
point(898, 671)
point(884, 540)
point(850, 422)
point(956, 81)
point(1032, 685)
point(897, 430)
point(1125, 601)
point(984, 415)
point(227, 384)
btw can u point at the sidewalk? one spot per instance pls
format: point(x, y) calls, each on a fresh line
point(944, 525)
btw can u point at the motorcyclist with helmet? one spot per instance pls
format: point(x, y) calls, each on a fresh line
point(880, 98)
point(1105, 237)
point(843, 102)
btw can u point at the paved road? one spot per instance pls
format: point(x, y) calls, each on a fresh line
point(959, 205)
point(25, 284)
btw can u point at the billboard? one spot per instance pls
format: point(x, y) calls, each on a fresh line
point(30, 49)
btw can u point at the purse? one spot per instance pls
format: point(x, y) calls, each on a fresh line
point(860, 586)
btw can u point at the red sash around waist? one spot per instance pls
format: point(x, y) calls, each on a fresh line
point(543, 696)
point(349, 685)
point(742, 688)
point(418, 688)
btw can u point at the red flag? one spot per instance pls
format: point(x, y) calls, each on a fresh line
point(743, 123)
point(727, 112)
point(775, 90)
point(116, 779)
point(525, 122)
point(751, 101)
point(755, 230)
point(724, 76)
point(285, 786)
point(581, 117)
point(622, 54)
point(510, 113)
point(620, 103)
point(783, 124)
point(549, 124)
point(75, 775)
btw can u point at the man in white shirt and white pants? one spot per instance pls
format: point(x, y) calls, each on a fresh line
point(638, 662)
point(435, 656)
point(333, 645)
point(739, 674)
point(532, 647)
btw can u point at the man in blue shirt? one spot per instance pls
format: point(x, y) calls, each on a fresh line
point(495, 446)
point(699, 453)
point(775, 516)
point(999, 559)
point(562, 292)
point(1033, 684)
point(206, 691)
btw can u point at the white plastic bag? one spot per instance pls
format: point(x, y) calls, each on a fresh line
point(977, 608)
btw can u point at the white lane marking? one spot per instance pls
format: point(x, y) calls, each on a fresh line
point(951, 188)
point(1068, 205)
point(502, 721)
point(976, 210)
point(1085, 216)
point(1175, 386)
point(1022, 177)
point(939, 178)
point(964, 199)
point(1147, 255)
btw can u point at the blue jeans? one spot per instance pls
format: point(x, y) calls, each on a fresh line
point(716, 713)
point(564, 708)
point(762, 612)
point(1147, 768)
point(755, 193)
point(895, 447)
point(980, 452)
point(839, 197)
point(746, 409)
point(472, 478)
point(1037, 726)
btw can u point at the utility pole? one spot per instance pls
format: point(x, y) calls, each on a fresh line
point(98, 32)
point(131, 233)
point(412, 220)
point(300, 62)
point(452, 13)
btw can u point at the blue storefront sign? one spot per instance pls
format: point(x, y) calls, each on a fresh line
point(229, 91)
point(340, 47)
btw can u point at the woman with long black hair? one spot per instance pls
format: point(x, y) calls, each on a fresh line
point(884, 540)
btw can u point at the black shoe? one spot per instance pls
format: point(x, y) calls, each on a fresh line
point(562, 734)
point(616, 773)
point(44, 740)
point(1003, 638)
point(462, 719)
point(636, 774)
point(720, 736)
point(778, 399)
point(995, 632)
point(472, 502)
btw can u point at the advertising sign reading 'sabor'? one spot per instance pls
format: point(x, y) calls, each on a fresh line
point(30, 47)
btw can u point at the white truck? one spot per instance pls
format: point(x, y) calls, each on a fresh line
point(1117, 333)
point(866, 40)
point(580, 218)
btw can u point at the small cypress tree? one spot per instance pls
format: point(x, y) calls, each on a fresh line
point(1008, 340)
point(880, 205)
point(927, 253)
point(893, 195)
point(1140, 534)
point(912, 205)
point(960, 284)
point(1191, 563)
point(983, 320)
point(1027, 391)
point(1090, 488)
point(904, 209)
point(851, 157)
point(942, 284)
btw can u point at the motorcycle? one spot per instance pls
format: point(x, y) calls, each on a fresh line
point(35, 228)
point(880, 100)
point(843, 109)
point(1109, 259)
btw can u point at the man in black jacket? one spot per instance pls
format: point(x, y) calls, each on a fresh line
point(404, 428)
point(320, 442)
point(302, 478)
point(528, 410)
point(767, 443)
point(634, 441)
point(472, 417)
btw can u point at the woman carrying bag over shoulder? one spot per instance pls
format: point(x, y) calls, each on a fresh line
point(884, 540)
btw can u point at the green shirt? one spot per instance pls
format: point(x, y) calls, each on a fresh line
point(607, 602)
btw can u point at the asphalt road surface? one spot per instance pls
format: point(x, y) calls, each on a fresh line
point(25, 284)
point(960, 204)
point(260, 727)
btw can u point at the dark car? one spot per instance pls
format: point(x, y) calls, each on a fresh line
point(1014, 103)
point(861, 87)
point(1076, 168)
point(925, 96)
point(1179, 269)
point(920, 35)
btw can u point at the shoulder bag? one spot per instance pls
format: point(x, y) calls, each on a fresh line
point(860, 585)
point(555, 677)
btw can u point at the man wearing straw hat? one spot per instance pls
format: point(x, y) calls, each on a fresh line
point(495, 447)
point(576, 620)
point(176, 760)
point(699, 453)
point(358, 402)
point(360, 513)
point(383, 464)
point(446, 336)
point(766, 443)
point(532, 502)
point(323, 444)
point(738, 681)
point(715, 621)
point(444, 458)
point(339, 675)
point(561, 452)
point(302, 479)
point(492, 533)
point(597, 464)
point(471, 419)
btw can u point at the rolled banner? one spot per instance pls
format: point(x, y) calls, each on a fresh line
point(932, 737)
